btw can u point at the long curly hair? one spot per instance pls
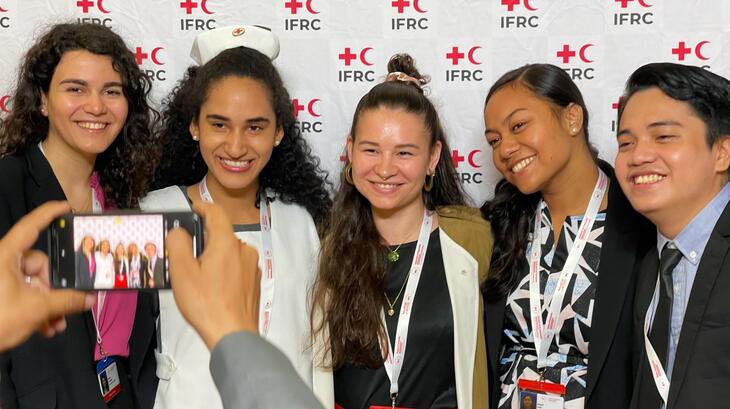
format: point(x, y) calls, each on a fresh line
point(126, 168)
point(510, 211)
point(348, 293)
point(293, 172)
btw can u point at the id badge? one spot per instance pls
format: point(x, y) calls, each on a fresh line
point(108, 375)
point(540, 394)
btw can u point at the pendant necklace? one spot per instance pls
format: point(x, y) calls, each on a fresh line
point(391, 305)
point(393, 255)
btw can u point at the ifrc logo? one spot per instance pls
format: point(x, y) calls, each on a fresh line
point(566, 53)
point(415, 8)
point(307, 11)
point(632, 12)
point(307, 113)
point(574, 60)
point(155, 73)
point(358, 57)
point(195, 23)
point(684, 49)
point(519, 14)
point(468, 58)
point(468, 160)
point(4, 20)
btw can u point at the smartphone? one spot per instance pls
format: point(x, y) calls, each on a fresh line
point(116, 251)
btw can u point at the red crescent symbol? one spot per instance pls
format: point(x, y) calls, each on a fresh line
point(310, 107)
point(2, 10)
point(417, 7)
point(101, 7)
point(582, 53)
point(153, 56)
point(4, 102)
point(698, 50)
point(310, 8)
point(362, 55)
point(529, 6)
point(644, 3)
point(204, 7)
point(470, 55)
point(471, 158)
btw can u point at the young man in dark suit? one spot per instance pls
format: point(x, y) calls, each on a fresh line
point(672, 163)
point(153, 267)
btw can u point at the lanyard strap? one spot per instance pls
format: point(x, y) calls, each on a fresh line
point(543, 333)
point(267, 277)
point(655, 365)
point(395, 355)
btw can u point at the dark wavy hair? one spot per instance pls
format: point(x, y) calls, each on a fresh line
point(293, 172)
point(510, 211)
point(347, 295)
point(126, 168)
point(707, 93)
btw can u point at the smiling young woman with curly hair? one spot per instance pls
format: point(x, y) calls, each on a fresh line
point(231, 137)
point(79, 130)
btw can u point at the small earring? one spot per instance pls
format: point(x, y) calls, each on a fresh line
point(196, 138)
point(574, 131)
point(348, 174)
point(43, 111)
point(276, 143)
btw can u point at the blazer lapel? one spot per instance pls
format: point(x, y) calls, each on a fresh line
point(462, 279)
point(618, 256)
point(713, 260)
point(45, 186)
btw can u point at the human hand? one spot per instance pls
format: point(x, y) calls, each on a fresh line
point(26, 308)
point(217, 293)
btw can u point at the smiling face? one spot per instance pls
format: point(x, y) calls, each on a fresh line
point(85, 103)
point(237, 130)
point(531, 145)
point(664, 164)
point(104, 247)
point(391, 154)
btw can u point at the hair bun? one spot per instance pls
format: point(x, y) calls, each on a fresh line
point(406, 64)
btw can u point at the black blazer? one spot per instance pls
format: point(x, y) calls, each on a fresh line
point(84, 277)
point(701, 373)
point(60, 372)
point(627, 237)
point(157, 274)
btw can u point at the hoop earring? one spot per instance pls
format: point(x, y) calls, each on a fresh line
point(429, 182)
point(348, 174)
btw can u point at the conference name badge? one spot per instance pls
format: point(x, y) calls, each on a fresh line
point(540, 394)
point(108, 375)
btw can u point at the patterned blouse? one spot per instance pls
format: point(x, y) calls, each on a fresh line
point(568, 352)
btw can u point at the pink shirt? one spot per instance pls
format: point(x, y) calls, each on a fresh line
point(118, 309)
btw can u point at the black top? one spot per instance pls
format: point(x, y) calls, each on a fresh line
point(427, 379)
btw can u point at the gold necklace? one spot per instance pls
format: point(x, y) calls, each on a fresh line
point(84, 205)
point(391, 309)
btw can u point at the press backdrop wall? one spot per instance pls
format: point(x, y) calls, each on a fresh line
point(333, 51)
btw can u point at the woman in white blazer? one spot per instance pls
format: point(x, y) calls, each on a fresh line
point(230, 121)
point(397, 303)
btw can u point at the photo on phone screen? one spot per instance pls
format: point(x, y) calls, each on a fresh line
point(115, 251)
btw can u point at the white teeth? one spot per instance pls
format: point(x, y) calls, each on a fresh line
point(385, 186)
point(522, 164)
point(646, 179)
point(235, 163)
point(92, 125)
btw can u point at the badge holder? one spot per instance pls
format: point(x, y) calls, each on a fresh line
point(540, 394)
point(108, 376)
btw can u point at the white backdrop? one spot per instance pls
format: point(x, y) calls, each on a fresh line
point(333, 51)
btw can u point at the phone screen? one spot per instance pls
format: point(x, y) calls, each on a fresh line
point(115, 251)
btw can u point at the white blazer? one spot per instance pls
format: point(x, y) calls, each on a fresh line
point(183, 359)
point(462, 277)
